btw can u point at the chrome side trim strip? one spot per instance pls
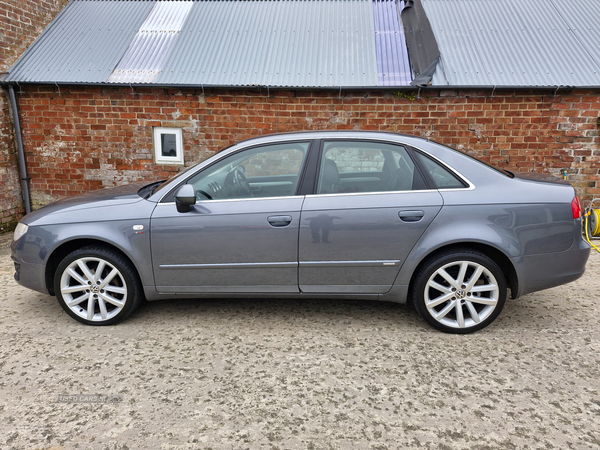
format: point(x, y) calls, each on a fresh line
point(321, 264)
point(259, 289)
point(344, 289)
point(284, 265)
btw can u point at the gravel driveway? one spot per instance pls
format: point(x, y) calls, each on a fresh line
point(289, 374)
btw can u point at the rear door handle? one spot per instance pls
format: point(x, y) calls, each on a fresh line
point(411, 216)
point(279, 221)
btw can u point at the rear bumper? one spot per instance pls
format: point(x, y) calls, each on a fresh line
point(544, 271)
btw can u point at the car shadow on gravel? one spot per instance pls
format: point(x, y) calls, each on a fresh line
point(522, 314)
point(313, 311)
point(545, 311)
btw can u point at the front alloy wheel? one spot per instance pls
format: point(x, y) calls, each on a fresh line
point(460, 292)
point(96, 286)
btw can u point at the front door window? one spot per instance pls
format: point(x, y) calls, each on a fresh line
point(266, 171)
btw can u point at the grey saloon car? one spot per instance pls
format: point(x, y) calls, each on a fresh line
point(347, 215)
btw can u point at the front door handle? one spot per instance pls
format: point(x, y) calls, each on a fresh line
point(279, 221)
point(411, 216)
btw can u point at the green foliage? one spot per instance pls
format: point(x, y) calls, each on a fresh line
point(407, 95)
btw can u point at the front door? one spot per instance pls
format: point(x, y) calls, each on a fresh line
point(242, 234)
point(370, 208)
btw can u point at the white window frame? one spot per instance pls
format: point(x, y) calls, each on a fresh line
point(158, 156)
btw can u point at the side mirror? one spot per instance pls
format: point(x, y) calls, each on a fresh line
point(185, 198)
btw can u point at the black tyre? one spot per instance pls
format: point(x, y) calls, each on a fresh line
point(97, 286)
point(460, 291)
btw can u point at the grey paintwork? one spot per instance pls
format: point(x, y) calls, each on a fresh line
point(106, 216)
point(225, 247)
point(359, 227)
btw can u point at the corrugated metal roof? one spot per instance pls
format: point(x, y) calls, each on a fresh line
point(510, 43)
point(583, 17)
point(393, 66)
point(146, 55)
point(83, 44)
point(284, 43)
point(314, 43)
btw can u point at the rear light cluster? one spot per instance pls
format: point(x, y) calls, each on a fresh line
point(576, 208)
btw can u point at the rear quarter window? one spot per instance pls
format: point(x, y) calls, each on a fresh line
point(442, 177)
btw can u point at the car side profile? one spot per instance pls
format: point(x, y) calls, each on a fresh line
point(350, 215)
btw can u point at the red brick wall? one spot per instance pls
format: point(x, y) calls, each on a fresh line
point(21, 21)
point(87, 138)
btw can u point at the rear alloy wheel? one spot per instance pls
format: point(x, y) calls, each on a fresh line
point(97, 286)
point(460, 292)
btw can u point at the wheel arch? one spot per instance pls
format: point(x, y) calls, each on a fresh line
point(496, 255)
point(60, 252)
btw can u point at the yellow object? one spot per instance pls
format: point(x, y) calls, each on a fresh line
point(592, 215)
point(596, 213)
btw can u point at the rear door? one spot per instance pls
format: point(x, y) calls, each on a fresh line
point(370, 206)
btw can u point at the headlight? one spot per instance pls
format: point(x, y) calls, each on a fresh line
point(20, 231)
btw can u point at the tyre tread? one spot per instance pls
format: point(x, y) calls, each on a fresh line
point(136, 295)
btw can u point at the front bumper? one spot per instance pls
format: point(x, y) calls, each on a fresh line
point(31, 276)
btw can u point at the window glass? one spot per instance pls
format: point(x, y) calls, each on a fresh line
point(168, 144)
point(286, 161)
point(348, 166)
point(357, 159)
point(268, 171)
point(442, 177)
point(168, 148)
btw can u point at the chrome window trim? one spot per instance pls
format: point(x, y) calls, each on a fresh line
point(240, 199)
point(344, 194)
point(347, 194)
point(470, 187)
point(451, 169)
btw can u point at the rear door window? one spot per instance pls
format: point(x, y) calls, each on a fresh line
point(361, 166)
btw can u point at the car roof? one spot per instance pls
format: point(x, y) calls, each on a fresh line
point(334, 134)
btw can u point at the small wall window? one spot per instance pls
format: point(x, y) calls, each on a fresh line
point(168, 147)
